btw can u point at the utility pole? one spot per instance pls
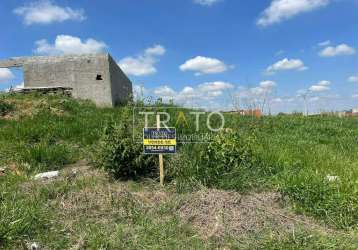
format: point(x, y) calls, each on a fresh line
point(305, 96)
point(142, 92)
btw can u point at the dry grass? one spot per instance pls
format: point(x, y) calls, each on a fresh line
point(30, 108)
point(86, 209)
point(218, 213)
point(212, 213)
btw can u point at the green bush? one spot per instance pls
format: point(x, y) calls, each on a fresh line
point(119, 155)
point(227, 162)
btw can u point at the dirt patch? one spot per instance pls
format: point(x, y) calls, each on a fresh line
point(216, 213)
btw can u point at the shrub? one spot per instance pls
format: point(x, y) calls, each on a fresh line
point(119, 155)
point(228, 162)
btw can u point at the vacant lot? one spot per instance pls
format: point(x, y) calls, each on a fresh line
point(285, 182)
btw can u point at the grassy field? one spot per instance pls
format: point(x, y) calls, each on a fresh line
point(309, 164)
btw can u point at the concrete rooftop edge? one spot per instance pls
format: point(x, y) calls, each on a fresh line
point(20, 61)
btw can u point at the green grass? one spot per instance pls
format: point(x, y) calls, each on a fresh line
point(53, 132)
point(290, 154)
point(306, 151)
point(21, 215)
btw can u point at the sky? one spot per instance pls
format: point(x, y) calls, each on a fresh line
point(217, 54)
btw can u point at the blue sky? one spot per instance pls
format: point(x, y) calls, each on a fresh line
point(222, 54)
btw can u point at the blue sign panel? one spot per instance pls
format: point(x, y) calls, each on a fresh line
point(159, 140)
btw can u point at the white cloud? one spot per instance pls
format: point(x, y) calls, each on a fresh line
point(355, 96)
point(265, 87)
point(340, 50)
point(280, 10)
point(206, 2)
point(323, 83)
point(286, 64)
point(19, 86)
point(255, 94)
point(353, 79)
point(140, 92)
point(302, 92)
point(205, 91)
point(165, 92)
point(65, 44)
point(202, 93)
point(140, 66)
point(277, 100)
point(204, 65)
point(6, 75)
point(257, 91)
point(215, 93)
point(325, 43)
point(215, 86)
point(290, 99)
point(143, 64)
point(261, 97)
point(188, 93)
point(267, 84)
point(320, 86)
point(156, 50)
point(46, 12)
point(314, 99)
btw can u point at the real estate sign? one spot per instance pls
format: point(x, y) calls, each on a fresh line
point(159, 140)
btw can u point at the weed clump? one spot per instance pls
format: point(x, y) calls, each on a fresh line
point(227, 162)
point(6, 108)
point(119, 155)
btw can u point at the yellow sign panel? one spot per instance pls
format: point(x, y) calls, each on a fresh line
point(152, 142)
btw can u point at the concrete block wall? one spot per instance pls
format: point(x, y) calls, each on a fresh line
point(120, 84)
point(94, 76)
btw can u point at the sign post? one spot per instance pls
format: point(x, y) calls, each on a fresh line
point(161, 161)
point(159, 141)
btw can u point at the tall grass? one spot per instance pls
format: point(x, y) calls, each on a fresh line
point(311, 160)
point(294, 155)
point(52, 131)
point(21, 216)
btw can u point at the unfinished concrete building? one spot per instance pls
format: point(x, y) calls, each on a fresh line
point(93, 76)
